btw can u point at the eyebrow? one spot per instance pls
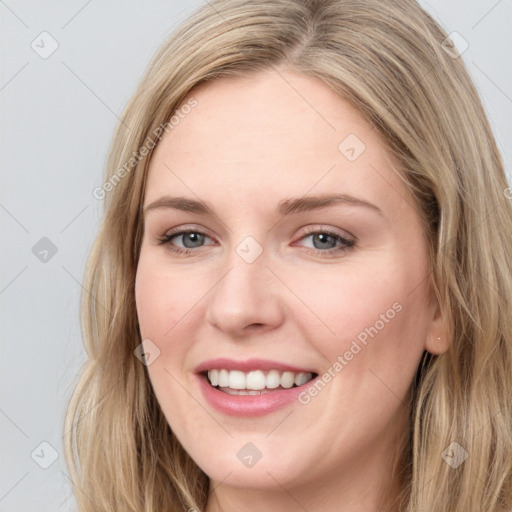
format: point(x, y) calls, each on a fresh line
point(285, 207)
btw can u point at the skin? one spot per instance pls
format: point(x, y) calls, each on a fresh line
point(247, 145)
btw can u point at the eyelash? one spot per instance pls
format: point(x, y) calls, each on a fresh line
point(347, 244)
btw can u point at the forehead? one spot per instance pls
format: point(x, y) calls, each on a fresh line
point(270, 134)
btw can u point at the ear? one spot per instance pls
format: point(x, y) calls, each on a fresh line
point(436, 341)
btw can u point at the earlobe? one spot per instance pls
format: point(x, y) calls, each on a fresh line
point(437, 345)
point(437, 341)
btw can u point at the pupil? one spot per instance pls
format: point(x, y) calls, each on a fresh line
point(324, 239)
point(197, 238)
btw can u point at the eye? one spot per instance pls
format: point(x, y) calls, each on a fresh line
point(190, 239)
point(326, 242)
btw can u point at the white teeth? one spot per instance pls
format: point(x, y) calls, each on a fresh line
point(273, 379)
point(256, 380)
point(287, 379)
point(213, 375)
point(223, 378)
point(230, 391)
point(236, 379)
point(300, 378)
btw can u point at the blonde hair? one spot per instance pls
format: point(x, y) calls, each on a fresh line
point(386, 58)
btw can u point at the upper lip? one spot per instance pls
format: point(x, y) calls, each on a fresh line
point(248, 365)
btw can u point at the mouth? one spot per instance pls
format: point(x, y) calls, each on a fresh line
point(255, 382)
point(252, 387)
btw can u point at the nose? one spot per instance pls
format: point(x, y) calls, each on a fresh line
point(246, 299)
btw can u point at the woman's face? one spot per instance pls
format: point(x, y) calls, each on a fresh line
point(304, 257)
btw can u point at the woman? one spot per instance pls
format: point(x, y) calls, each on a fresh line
point(298, 299)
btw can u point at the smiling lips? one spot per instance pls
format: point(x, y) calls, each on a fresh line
point(251, 387)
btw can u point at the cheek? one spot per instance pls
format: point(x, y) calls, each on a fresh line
point(162, 299)
point(170, 307)
point(375, 316)
point(345, 301)
point(162, 309)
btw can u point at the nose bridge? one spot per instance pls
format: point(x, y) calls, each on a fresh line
point(245, 294)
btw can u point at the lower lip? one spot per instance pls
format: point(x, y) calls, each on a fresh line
point(249, 405)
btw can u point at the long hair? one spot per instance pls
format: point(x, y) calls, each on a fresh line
point(393, 62)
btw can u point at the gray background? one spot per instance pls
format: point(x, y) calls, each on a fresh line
point(58, 116)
